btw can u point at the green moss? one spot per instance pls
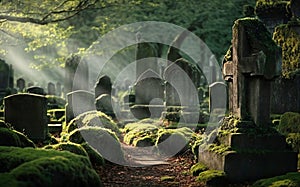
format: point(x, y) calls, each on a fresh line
point(290, 180)
point(56, 115)
point(167, 178)
point(95, 157)
point(9, 137)
point(136, 132)
point(103, 140)
point(196, 169)
point(213, 178)
point(12, 157)
point(92, 119)
point(289, 41)
point(273, 7)
point(55, 171)
point(170, 140)
point(69, 146)
point(289, 123)
point(260, 39)
point(219, 149)
point(293, 139)
point(144, 141)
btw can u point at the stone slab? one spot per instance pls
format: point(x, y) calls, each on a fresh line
point(241, 167)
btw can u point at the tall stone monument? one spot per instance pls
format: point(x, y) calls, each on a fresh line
point(253, 150)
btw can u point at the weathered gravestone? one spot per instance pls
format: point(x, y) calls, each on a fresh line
point(103, 86)
point(21, 84)
point(148, 88)
point(182, 80)
point(254, 149)
point(76, 74)
point(217, 100)
point(27, 113)
point(51, 88)
point(104, 104)
point(78, 102)
point(181, 90)
point(58, 89)
point(36, 90)
point(5, 78)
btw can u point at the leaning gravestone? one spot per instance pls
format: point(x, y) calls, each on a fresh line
point(27, 113)
point(255, 149)
point(21, 85)
point(103, 86)
point(78, 102)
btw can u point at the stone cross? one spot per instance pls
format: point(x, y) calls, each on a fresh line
point(249, 74)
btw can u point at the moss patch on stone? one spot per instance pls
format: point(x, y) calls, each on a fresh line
point(9, 137)
point(198, 168)
point(103, 140)
point(289, 40)
point(94, 156)
point(54, 171)
point(68, 146)
point(293, 139)
point(92, 119)
point(289, 179)
point(213, 178)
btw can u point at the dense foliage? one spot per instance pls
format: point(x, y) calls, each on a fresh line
point(51, 30)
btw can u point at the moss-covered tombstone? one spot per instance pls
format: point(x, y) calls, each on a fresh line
point(41, 167)
point(101, 139)
point(94, 119)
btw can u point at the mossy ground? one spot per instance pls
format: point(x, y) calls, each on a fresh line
point(289, 180)
point(213, 178)
point(41, 167)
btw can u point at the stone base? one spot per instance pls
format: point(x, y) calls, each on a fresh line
point(241, 167)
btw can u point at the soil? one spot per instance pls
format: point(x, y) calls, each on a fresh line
point(176, 173)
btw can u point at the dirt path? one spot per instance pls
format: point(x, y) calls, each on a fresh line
point(175, 171)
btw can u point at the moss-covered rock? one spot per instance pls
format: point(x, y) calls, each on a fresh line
point(103, 140)
point(69, 146)
point(54, 171)
point(9, 137)
point(139, 134)
point(289, 180)
point(94, 156)
point(93, 119)
point(12, 157)
point(196, 169)
point(289, 123)
point(172, 141)
point(213, 178)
